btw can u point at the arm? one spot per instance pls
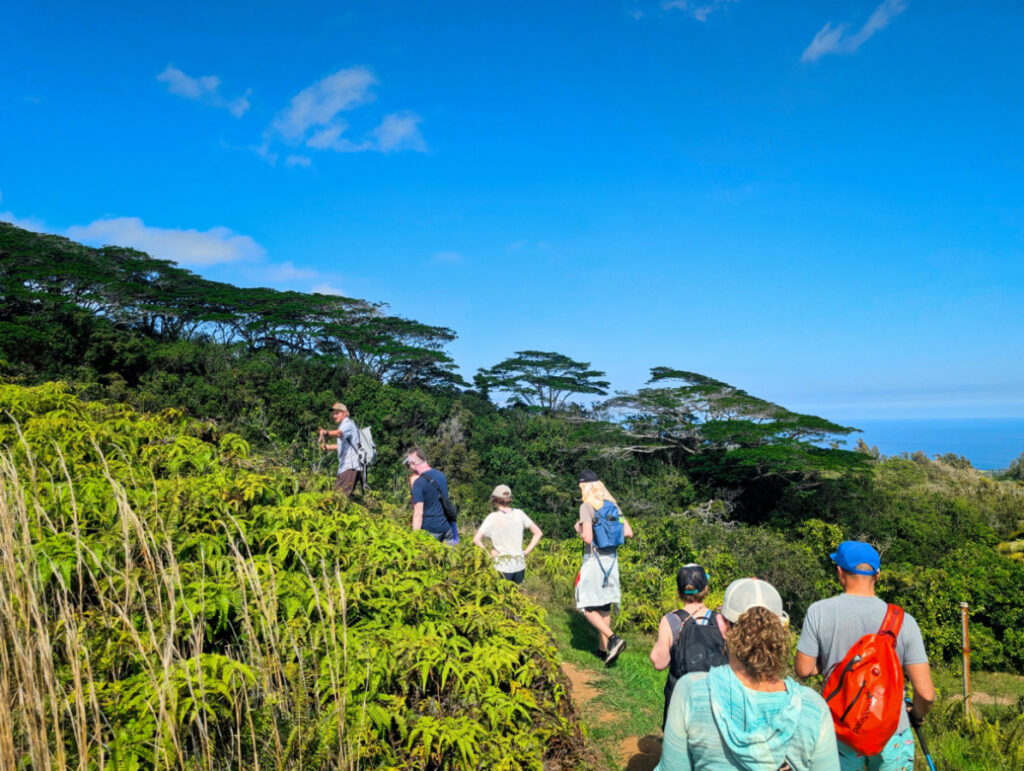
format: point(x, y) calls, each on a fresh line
point(586, 531)
point(920, 676)
point(478, 539)
point(806, 666)
point(533, 541)
point(417, 516)
point(627, 529)
point(661, 652)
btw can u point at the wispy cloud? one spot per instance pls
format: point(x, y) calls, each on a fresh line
point(313, 119)
point(698, 10)
point(320, 103)
point(400, 131)
point(205, 88)
point(193, 248)
point(447, 257)
point(25, 223)
point(835, 40)
point(286, 271)
point(326, 289)
point(298, 160)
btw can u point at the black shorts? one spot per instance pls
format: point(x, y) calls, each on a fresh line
point(606, 608)
point(516, 577)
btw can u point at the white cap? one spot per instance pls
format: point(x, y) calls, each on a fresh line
point(746, 593)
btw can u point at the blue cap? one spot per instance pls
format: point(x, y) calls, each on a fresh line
point(850, 554)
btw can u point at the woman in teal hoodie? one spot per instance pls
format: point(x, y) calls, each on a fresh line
point(745, 714)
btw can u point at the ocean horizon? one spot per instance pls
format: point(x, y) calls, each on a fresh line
point(988, 443)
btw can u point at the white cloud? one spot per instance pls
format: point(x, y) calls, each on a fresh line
point(313, 119)
point(188, 247)
point(298, 160)
point(699, 11)
point(834, 40)
point(25, 223)
point(286, 271)
point(205, 88)
point(448, 257)
point(326, 289)
point(319, 104)
point(400, 131)
point(329, 138)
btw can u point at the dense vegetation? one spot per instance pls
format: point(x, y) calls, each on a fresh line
point(705, 470)
point(166, 600)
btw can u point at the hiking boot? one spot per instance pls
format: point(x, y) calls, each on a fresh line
point(601, 654)
point(616, 645)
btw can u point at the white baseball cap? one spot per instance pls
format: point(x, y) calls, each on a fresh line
point(746, 593)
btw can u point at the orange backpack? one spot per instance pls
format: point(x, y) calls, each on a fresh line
point(864, 691)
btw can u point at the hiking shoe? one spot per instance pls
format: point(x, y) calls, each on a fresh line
point(616, 645)
point(601, 654)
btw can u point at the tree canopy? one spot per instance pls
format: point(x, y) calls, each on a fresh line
point(541, 379)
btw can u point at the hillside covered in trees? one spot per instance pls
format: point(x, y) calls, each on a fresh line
point(189, 530)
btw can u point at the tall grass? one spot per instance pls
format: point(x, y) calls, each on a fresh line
point(195, 709)
point(169, 602)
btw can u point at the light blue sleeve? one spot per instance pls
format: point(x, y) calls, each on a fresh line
point(675, 752)
point(826, 753)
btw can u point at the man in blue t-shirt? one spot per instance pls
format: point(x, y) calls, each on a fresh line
point(427, 489)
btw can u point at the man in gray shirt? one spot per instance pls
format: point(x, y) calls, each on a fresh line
point(833, 626)
point(347, 445)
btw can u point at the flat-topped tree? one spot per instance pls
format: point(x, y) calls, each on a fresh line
point(698, 415)
point(543, 380)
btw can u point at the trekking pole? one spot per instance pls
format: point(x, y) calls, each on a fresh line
point(921, 741)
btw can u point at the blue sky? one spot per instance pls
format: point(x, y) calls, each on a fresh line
point(820, 203)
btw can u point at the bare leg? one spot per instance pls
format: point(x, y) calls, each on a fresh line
point(600, 620)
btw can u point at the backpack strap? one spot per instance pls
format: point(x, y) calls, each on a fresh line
point(893, 621)
point(606, 573)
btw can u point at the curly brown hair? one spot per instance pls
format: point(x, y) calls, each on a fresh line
point(760, 643)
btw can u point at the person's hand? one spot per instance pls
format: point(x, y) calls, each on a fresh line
point(578, 527)
point(915, 721)
point(494, 552)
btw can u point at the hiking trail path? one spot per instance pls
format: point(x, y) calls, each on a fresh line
point(633, 753)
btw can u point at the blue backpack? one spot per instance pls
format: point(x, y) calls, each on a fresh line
point(608, 530)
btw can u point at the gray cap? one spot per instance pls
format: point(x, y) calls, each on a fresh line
point(746, 593)
point(501, 491)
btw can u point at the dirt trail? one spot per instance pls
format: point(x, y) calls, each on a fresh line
point(635, 753)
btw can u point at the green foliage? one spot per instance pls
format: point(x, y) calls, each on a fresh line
point(541, 379)
point(170, 600)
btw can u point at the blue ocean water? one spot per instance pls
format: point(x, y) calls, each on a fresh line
point(988, 443)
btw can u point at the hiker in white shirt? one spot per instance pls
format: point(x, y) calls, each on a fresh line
point(505, 527)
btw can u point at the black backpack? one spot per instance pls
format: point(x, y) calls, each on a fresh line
point(697, 648)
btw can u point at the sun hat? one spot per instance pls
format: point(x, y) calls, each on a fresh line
point(850, 554)
point(693, 575)
point(338, 407)
point(501, 491)
point(746, 593)
point(589, 476)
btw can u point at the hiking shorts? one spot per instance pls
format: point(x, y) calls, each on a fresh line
point(346, 482)
point(898, 755)
point(515, 577)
